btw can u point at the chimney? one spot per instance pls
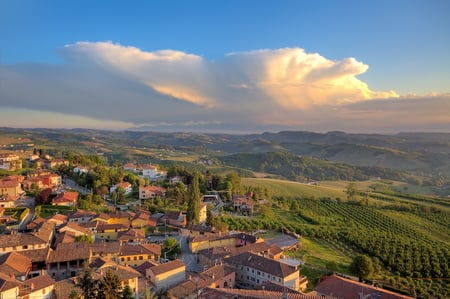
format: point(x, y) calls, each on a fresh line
point(32, 286)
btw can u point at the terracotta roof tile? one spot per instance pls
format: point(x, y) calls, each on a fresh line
point(105, 247)
point(166, 267)
point(347, 288)
point(36, 283)
point(64, 288)
point(127, 249)
point(252, 294)
point(69, 196)
point(36, 255)
point(19, 240)
point(261, 263)
point(81, 213)
point(69, 252)
point(13, 263)
point(216, 272)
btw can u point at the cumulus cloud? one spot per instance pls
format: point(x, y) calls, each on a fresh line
point(281, 88)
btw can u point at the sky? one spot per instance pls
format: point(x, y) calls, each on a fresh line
point(226, 66)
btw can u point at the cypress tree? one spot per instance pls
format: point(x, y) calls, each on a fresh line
point(193, 211)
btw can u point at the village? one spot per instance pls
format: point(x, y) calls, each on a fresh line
point(153, 253)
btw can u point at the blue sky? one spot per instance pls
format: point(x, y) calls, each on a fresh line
point(369, 60)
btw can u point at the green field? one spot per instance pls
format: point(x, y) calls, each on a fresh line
point(406, 234)
point(294, 189)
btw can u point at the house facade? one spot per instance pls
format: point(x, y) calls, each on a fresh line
point(137, 254)
point(253, 270)
point(11, 186)
point(67, 260)
point(68, 199)
point(125, 185)
point(166, 275)
point(146, 192)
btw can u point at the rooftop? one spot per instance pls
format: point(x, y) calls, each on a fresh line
point(263, 264)
point(347, 288)
point(166, 267)
point(69, 252)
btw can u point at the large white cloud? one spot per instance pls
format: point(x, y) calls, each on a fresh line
point(289, 77)
point(282, 88)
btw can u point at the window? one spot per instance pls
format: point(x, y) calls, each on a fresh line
point(259, 273)
point(135, 258)
point(128, 258)
point(122, 259)
point(141, 257)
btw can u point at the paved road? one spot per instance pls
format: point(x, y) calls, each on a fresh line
point(189, 259)
point(71, 184)
point(29, 203)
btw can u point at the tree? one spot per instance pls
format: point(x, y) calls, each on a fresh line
point(209, 218)
point(110, 286)
point(127, 293)
point(351, 190)
point(147, 293)
point(193, 195)
point(235, 181)
point(171, 249)
point(37, 211)
point(43, 196)
point(87, 284)
point(85, 238)
point(74, 295)
point(362, 266)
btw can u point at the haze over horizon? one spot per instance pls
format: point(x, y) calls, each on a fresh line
point(226, 66)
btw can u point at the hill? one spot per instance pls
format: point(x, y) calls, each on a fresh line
point(293, 155)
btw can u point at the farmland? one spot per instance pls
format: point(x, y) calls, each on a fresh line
point(407, 236)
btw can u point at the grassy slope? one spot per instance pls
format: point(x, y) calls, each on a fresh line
point(295, 189)
point(318, 253)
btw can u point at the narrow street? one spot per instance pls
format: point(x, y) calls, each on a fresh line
point(29, 203)
point(189, 259)
point(71, 184)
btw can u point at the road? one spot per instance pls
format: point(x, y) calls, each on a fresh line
point(29, 203)
point(71, 184)
point(189, 259)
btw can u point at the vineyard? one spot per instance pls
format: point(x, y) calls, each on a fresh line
point(391, 230)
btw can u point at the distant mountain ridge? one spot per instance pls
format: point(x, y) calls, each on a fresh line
point(417, 152)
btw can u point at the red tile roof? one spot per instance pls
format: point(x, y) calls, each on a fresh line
point(13, 263)
point(69, 252)
point(349, 289)
point(69, 196)
point(166, 267)
point(36, 283)
point(261, 263)
point(140, 249)
point(252, 294)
